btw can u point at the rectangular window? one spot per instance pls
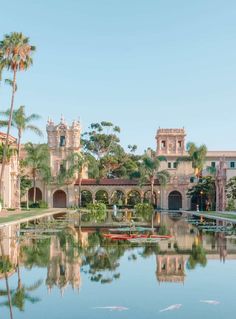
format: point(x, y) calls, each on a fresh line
point(232, 164)
point(169, 164)
point(62, 141)
point(175, 165)
point(192, 179)
point(163, 144)
point(213, 164)
point(179, 144)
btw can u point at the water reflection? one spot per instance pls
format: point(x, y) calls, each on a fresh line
point(70, 254)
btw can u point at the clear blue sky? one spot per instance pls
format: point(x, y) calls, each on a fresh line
point(139, 63)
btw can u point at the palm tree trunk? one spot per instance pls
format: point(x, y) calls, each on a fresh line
point(6, 279)
point(152, 198)
point(19, 145)
point(8, 133)
point(34, 185)
point(80, 182)
point(18, 165)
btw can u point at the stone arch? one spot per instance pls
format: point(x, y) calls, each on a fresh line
point(102, 196)
point(39, 194)
point(59, 199)
point(175, 200)
point(133, 197)
point(86, 197)
point(147, 198)
point(118, 197)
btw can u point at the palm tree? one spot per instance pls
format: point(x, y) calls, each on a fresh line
point(37, 158)
point(150, 172)
point(22, 123)
point(197, 155)
point(78, 161)
point(15, 55)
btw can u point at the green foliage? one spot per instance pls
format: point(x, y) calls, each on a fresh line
point(197, 256)
point(97, 212)
point(231, 188)
point(5, 265)
point(163, 230)
point(145, 211)
point(205, 188)
point(10, 152)
point(197, 155)
point(25, 184)
point(231, 205)
point(37, 159)
point(39, 204)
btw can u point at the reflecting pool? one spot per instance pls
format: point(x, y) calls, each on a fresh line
point(54, 270)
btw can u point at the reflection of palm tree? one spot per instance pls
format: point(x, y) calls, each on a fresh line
point(5, 269)
point(197, 256)
point(22, 294)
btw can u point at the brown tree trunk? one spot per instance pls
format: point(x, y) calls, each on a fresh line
point(4, 159)
point(34, 185)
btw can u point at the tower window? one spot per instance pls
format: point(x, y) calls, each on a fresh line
point(163, 144)
point(232, 164)
point(62, 141)
point(179, 144)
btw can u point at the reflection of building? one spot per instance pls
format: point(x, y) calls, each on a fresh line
point(170, 268)
point(63, 267)
point(10, 245)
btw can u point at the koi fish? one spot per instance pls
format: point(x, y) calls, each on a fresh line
point(172, 307)
point(210, 302)
point(113, 308)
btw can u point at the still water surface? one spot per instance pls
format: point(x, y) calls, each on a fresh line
point(67, 274)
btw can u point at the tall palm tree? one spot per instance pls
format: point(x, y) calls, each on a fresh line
point(37, 159)
point(22, 123)
point(150, 171)
point(78, 162)
point(15, 55)
point(197, 155)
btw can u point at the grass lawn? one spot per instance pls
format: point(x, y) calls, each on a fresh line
point(13, 216)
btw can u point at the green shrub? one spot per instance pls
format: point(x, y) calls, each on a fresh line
point(145, 211)
point(97, 212)
point(230, 205)
point(43, 204)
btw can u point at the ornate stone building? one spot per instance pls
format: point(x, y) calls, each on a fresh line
point(64, 139)
point(9, 184)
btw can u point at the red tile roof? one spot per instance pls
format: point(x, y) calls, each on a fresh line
point(111, 182)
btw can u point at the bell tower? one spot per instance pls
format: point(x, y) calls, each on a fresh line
point(62, 141)
point(170, 141)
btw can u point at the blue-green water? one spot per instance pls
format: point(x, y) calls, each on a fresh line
point(67, 276)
